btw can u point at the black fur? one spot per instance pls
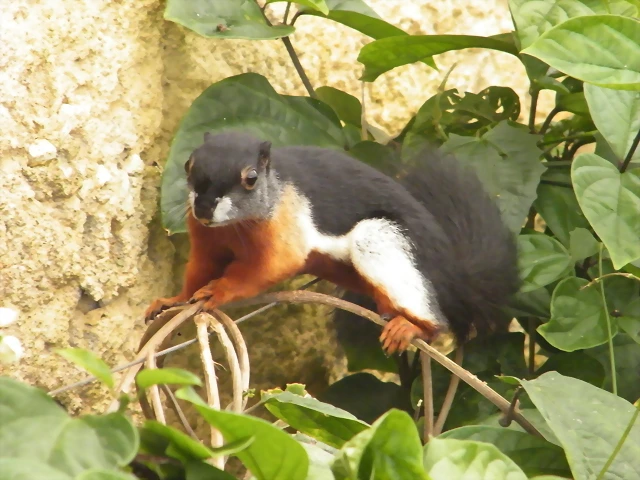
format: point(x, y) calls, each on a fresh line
point(460, 242)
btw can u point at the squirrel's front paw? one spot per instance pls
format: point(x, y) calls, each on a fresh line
point(206, 295)
point(159, 305)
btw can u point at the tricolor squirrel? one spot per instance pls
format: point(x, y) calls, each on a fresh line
point(428, 245)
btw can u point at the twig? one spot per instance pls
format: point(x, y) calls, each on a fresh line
point(211, 383)
point(467, 377)
point(532, 344)
point(176, 408)
point(241, 351)
point(549, 119)
point(427, 386)
point(232, 360)
point(161, 320)
point(612, 274)
point(508, 416)
point(630, 153)
point(612, 355)
point(449, 396)
point(155, 393)
point(286, 13)
point(535, 92)
point(298, 66)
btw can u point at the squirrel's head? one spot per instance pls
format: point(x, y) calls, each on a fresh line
point(230, 179)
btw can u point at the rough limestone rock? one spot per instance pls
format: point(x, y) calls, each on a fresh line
point(91, 94)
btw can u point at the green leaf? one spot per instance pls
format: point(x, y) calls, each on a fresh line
point(616, 113)
point(319, 463)
point(204, 471)
point(90, 362)
point(598, 49)
point(536, 303)
point(631, 325)
point(243, 102)
point(166, 376)
point(588, 422)
point(29, 469)
point(506, 159)
point(573, 103)
point(582, 244)
point(174, 443)
point(224, 19)
point(542, 260)
point(104, 475)
point(386, 54)
point(354, 393)
point(346, 106)
point(319, 5)
point(391, 448)
point(577, 365)
point(321, 421)
point(449, 459)
point(272, 455)
point(535, 456)
point(611, 202)
point(627, 356)
point(559, 207)
point(578, 318)
point(34, 427)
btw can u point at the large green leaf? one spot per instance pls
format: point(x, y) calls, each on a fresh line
point(506, 159)
point(611, 202)
point(35, 428)
point(589, 423)
point(386, 54)
point(243, 102)
point(582, 244)
point(535, 456)
point(346, 106)
point(272, 455)
point(159, 439)
point(542, 260)
point(224, 19)
point(616, 113)
point(321, 421)
point(578, 317)
point(599, 49)
point(534, 17)
point(450, 459)
point(389, 449)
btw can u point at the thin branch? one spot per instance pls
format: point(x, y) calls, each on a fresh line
point(176, 408)
point(449, 396)
point(508, 416)
point(612, 274)
point(612, 355)
point(232, 360)
point(531, 325)
point(240, 349)
point(211, 383)
point(630, 153)
point(427, 386)
point(549, 119)
point(298, 66)
point(160, 321)
point(532, 111)
point(155, 393)
point(286, 13)
point(467, 377)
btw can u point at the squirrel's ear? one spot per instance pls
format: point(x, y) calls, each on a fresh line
point(188, 164)
point(207, 136)
point(264, 155)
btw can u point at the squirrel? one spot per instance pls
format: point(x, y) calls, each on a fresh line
point(428, 248)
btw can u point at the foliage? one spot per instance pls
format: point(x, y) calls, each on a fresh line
point(577, 175)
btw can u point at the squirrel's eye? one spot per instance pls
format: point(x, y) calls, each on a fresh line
point(249, 179)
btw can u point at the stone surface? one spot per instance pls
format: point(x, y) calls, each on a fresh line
point(91, 94)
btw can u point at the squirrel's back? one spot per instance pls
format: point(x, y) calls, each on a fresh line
point(476, 280)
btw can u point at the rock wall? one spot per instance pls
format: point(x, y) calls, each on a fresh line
point(90, 96)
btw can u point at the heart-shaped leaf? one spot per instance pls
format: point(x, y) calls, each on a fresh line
point(578, 317)
point(224, 19)
point(589, 423)
point(582, 244)
point(599, 49)
point(449, 459)
point(542, 260)
point(616, 113)
point(611, 202)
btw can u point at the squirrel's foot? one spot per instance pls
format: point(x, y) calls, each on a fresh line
point(206, 295)
point(159, 305)
point(398, 334)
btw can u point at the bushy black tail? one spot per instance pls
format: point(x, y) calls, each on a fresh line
point(485, 269)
